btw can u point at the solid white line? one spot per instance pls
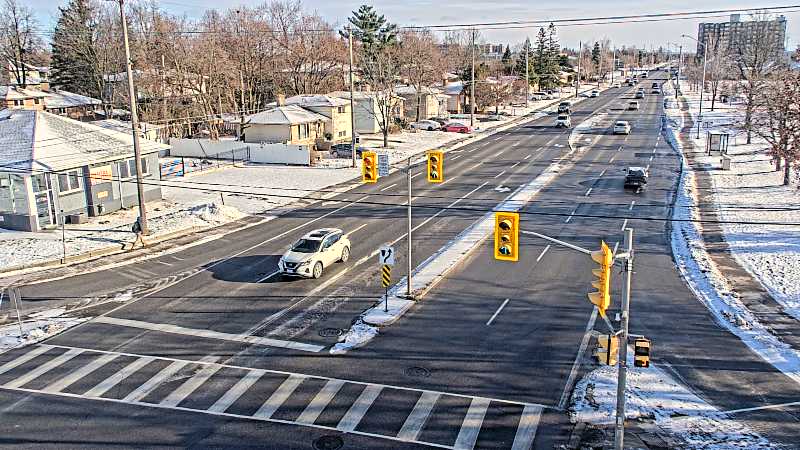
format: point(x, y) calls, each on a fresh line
point(575, 364)
point(602, 173)
point(267, 277)
point(476, 165)
point(163, 263)
point(349, 233)
point(633, 202)
point(489, 322)
point(419, 415)
point(210, 334)
point(515, 164)
point(759, 408)
point(32, 353)
point(527, 156)
point(279, 396)
point(115, 379)
point(471, 425)
point(155, 381)
point(236, 391)
point(500, 174)
point(76, 375)
point(321, 400)
point(541, 255)
point(588, 192)
point(356, 412)
point(624, 224)
point(570, 217)
point(389, 187)
point(526, 430)
point(44, 368)
point(616, 246)
point(193, 383)
point(449, 179)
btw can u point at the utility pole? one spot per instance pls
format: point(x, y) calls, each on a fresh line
point(678, 81)
point(137, 154)
point(352, 101)
point(409, 294)
point(527, 64)
point(578, 80)
point(619, 434)
point(613, 63)
point(472, 85)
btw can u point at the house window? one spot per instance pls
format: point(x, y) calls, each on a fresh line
point(342, 133)
point(304, 130)
point(144, 167)
point(341, 110)
point(18, 103)
point(69, 182)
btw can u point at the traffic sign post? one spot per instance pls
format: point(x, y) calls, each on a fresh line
point(14, 296)
point(386, 255)
point(386, 279)
point(383, 164)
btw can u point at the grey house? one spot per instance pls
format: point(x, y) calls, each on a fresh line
point(53, 166)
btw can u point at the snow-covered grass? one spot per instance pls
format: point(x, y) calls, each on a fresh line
point(651, 394)
point(35, 327)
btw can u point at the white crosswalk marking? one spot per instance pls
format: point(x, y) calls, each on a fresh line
point(63, 383)
point(44, 368)
point(20, 360)
point(419, 415)
point(279, 396)
point(356, 412)
point(191, 385)
point(468, 434)
point(236, 391)
point(526, 431)
point(115, 379)
point(321, 400)
point(155, 381)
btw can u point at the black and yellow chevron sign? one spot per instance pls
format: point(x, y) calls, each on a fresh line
point(386, 275)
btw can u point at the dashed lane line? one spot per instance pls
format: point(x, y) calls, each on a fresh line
point(500, 174)
point(569, 217)
point(491, 319)
point(624, 224)
point(389, 187)
point(633, 202)
point(588, 192)
point(541, 255)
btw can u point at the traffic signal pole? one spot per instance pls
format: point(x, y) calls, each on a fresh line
point(408, 239)
point(619, 434)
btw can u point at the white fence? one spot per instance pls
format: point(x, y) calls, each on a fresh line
point(240, 151)
point(202, 148)
point(280, 154)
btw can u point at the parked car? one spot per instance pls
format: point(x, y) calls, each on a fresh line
point(654, 85)
point(344, 150)
point(636, 178)
point(440, 120)
point(622, 127)
point(563, 120)
point(633, 105)
point(315, 251)
point(455, 127)
point(564, 107)
point(595, 93)
point(493, 118)
point(429, 125)
point(542, 95)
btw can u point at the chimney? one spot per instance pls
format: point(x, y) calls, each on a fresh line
point(281, 100)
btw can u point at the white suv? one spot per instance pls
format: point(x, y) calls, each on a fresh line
point(563, 120)
point(622, 127)
point(315, 251)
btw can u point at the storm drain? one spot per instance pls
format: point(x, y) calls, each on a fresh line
point(331, 332)
point(417, 372)
point(328, 442)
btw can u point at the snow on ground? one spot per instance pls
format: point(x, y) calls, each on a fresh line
point(710, 285)
point(358, 335)
point(35, 328)
point(653, 394)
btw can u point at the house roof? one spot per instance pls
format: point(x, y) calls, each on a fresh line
point(52, 98)
point(412, 90)
point(38, 140)
point(17, 93)
point(285, 115)
point(454, 88)
point(357, 95)
point(315, 100)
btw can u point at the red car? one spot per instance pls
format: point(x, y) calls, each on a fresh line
point(454, 127)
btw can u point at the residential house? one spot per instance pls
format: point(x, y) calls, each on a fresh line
point(290, 124)
point(432, 103)
point(456, 97)
point(336, 110)
point(52, 166)
point(367, 109)
point(56, 101)
point(14, 97)
point(34, 76)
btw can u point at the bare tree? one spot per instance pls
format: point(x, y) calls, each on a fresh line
point(776, 118)
point(718, 67)
point(422, 61)
point(18, 37)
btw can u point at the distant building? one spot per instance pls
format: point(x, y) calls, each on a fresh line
point(56, 101)
point(368, 109)
point(736, 32)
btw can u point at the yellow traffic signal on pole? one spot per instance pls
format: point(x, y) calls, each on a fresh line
point(506, 236)
point(435, 166)
point(369, 167)
point(602, 297)
point(607, 350)
point(641, 352)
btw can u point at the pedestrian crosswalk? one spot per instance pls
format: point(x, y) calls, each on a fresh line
point(436, 419)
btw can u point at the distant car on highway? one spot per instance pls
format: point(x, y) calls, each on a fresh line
point(595, 93)
point(429, 125)
point(640, 93)
point(564, 107)
point(563, 120)
point(636, 178)
point(633, 105)
point(315, 251)
point(616, 84)
point(622, 127)
point(455, 127)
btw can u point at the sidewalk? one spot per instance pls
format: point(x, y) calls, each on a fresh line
point(749, 291)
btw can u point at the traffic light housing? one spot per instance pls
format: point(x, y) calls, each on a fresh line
point(641, 352)
point(369, 167)
point(607, 349)
point(506, 236)
point(602, 297)
point(436, 166)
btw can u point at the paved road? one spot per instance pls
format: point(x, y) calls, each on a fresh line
point(217, 349)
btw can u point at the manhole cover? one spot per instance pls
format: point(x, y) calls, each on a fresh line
point(328, 443)
point(419, 372)
point(330, 332)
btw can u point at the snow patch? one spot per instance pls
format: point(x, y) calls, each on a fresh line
point(358, 335)
point(36, 330)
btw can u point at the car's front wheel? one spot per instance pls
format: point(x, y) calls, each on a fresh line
point(345, 255)
point(317, 271)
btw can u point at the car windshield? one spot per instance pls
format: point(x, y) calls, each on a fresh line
point(306, 246)
point(621, 124)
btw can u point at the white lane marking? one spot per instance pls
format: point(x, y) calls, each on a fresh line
point(357, 411)
point(236, 391)
point(500, 174)
point(267, 277)
point(619, 149)
point(633, 202)
point(503, 305)
point(588, 192)
point(103, 386)
point(191, 385)
point(416, 175)
point(516, 164)
point(527, 157)
point(279, 396)
point(389, 187)
point(76, 375)
point(499, 153)
point(455, 157)
point(602, 173)
point(351, 232)
point(541, 255)
point(44, 368)
point(321, 400)
point(570, 217)
point(616, 246)
point(612, 159)
point(471, 425)
point(575, 364)
point(162, 263)
point(651, 158)
point(516, 143)
point(476, 165)
point(624, 224)
point(760, 408)
point(419, 415)
point(176, 258)
point(526, 430)
point(210, 334)
point(648, 167)
point(155, 381)
point(449, 179)
point(33, 353)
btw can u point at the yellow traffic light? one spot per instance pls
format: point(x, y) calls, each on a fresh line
point(602, 297)
point(607, 350)
point(506, 236)
point(436, 166)
point(641, 352)
point(369, 167)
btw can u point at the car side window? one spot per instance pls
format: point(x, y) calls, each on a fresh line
point(330, 240)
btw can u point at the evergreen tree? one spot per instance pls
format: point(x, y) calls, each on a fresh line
point(508, 65)
point(554, 57)
point(519, 69)
point(372, 30)
point(596, 55)
point(542, 49)
point(74, 62)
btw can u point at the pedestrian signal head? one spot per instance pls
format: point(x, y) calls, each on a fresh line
point(435, 166)
point(506, 236)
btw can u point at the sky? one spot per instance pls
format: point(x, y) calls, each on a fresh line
point(435, 12)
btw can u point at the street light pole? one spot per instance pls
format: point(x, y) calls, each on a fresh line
point(578, 79)
point(472, 85)
point(622, 374)
point(352, 101)
point(527, 85)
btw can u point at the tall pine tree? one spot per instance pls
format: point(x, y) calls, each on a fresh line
point(519, 69)
point(74, 62)
point(506, 60)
